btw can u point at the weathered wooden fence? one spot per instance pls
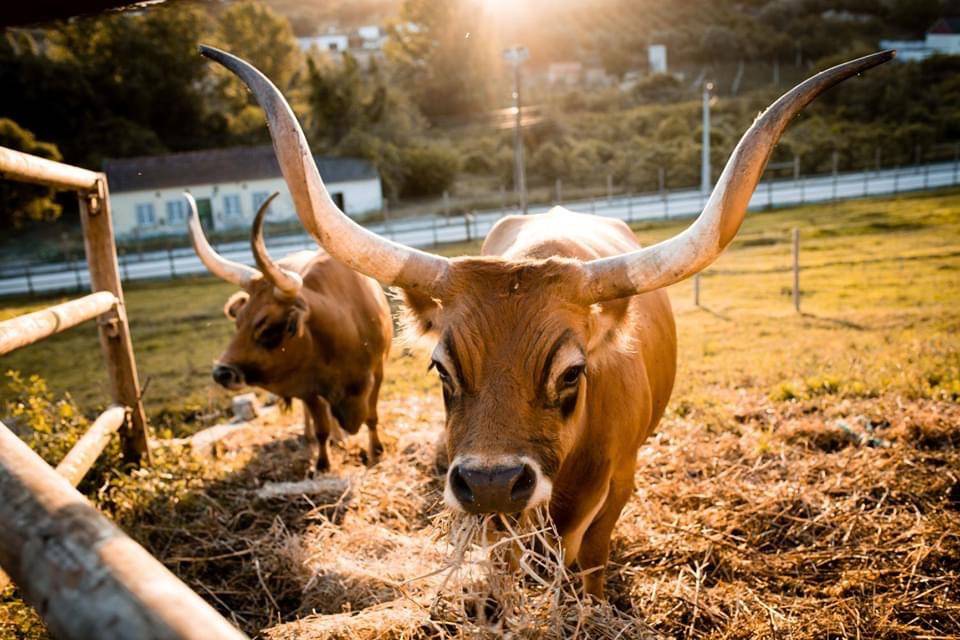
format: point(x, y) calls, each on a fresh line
point(84, 576)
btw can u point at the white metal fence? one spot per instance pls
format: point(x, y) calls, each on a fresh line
point(434, 230)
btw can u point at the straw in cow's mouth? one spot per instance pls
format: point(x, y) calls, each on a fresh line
point(507, 576)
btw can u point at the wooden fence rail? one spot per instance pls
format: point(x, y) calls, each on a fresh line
point(23, 167)
point(32, 327)
point(84, 576)
point(85, 452)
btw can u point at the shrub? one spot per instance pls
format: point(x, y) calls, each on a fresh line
point(428, 169)
point(48, 425)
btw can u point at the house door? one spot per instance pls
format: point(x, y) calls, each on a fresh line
point(206, 213)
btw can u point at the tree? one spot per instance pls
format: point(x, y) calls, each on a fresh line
point(25, 202)
point(146, 75)
point(257, 33)
point(429, 169)
point(443, 50)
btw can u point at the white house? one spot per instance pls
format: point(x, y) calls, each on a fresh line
point(146, 194)
point(326, 42)
point(564, 73)
point(371, 37)
point(942, 38)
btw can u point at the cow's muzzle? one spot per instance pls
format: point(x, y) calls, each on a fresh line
point(228, 376)
point(507, 486)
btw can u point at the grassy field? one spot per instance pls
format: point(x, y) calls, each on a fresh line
point(803, 483)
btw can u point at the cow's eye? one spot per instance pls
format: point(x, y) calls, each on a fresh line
point(272, 335)
point(571, 376)
point(441, 372)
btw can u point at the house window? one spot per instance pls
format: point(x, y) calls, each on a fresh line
point(231, 205)
point(176, 212)
point(146, 217)
point(259, 197)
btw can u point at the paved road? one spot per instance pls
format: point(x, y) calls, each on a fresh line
point(428, 231)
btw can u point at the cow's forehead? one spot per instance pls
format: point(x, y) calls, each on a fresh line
point(499, 278)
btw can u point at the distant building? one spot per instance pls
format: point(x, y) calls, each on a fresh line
point(371, 37)
point(657, 55)
point(596, 77)
point(365, 43)
point(564, 73)
point(146, 194)
point(326, 42)
point(942, 38)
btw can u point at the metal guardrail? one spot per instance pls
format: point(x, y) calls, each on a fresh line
point(86, 578)
point(434, 230)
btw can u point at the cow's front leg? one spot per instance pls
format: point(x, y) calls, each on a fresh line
point(595, 549)
point(317, 431)
point(375, 447)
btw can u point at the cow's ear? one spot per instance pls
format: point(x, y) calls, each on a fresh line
point(606, 326)
point(419, 316)
point(235, 303)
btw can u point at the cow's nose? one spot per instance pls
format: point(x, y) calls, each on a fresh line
point(498, 489)
point(227, 375)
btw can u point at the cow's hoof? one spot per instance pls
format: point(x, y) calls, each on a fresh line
point(372, 456)
point(369, 460)
point(318, 468)
point(484, 609)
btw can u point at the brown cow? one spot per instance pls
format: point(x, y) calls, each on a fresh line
point(308, 327)
point(556, 348)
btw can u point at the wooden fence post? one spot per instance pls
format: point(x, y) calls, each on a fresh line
point(662, 186)
point(796, 269)
point(559, 187)
point(696, 290)
point(956, 162)
point(113, 327)
point(835, 161)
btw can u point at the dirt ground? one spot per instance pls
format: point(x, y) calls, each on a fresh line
point(804, 519)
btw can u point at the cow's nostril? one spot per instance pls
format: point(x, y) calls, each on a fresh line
point(226, 376)
point(524, 485)
point(458, 484)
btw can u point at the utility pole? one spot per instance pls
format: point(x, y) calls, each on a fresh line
point(705, 145)
point(515, 55)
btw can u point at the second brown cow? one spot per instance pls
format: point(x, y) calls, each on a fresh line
point(309, 328)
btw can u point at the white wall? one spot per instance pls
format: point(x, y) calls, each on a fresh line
point(329, 42)
point(359, 197)
point(948, 43)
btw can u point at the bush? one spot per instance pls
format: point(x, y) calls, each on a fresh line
point(48, 425)
point(26, 202)
point(660, 88)
point(428, 170)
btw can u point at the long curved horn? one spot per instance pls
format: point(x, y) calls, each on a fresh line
point(697, 246)
point(344, 239)
point(287, 284)
point(233, 272)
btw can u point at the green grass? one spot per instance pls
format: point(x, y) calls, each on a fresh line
point(881, 293)
point(880, 326)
